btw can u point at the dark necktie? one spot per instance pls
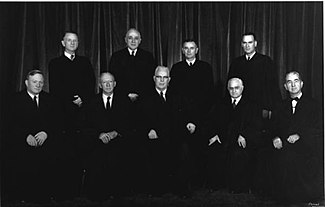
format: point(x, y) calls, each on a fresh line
point(133, 53)
point(108, 105)
point(248, 58)
point(234, 103)
point(162, 96)
point(294, 106)
point(72, 56)
point(191, 64)
point(35, 101)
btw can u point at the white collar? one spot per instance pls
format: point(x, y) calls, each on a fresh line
point(251, 56)
point(299, 95)
point(193, 61)
point(135, 51)
point(237, 99)
point(32, 95)
point(68, 55)
point(163, 91)
point(105, 96)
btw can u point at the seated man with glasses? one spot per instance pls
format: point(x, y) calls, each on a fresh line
point(162, 122)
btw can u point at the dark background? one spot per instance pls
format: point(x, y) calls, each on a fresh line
point(290, 32)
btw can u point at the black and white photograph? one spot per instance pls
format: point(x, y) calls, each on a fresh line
point(162, 103)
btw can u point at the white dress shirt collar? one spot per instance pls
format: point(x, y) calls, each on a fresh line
point(68, 55)
point(251, 56)
point(237, 99)
point(193, 61)
point(135, 51)
point(104, 96)
point(163, 91)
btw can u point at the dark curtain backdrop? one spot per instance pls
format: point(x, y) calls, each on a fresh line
point(290, 32)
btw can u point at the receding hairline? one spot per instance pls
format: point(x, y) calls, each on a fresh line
point(134, 30)
point(235, 79)
point(106, 73)
point(161, 68)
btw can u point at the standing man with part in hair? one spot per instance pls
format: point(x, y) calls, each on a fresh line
point(193, 80)
point(72, 81)
point(259, 74)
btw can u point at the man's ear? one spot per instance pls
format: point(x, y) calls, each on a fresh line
point(63, 43)
point(285, 86)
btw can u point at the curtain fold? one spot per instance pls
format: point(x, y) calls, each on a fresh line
point(290, 32)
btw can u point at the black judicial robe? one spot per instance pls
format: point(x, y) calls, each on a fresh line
point(260, 79)
point(298, 167)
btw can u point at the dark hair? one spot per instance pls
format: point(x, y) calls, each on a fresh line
point(294, 72)
point(69, 31)
point(33, 72)
point(250, 33)
point(189, 40)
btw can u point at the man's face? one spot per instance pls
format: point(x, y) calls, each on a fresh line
point(190, 50)
point(70, 42)
point(35, 84)
point(235, 88)
point(133, 39)
point(107, 83)
point(293, 84)
point(161, 79)
point(249, 44)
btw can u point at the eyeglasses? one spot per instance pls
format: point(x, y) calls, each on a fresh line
point(162, 77)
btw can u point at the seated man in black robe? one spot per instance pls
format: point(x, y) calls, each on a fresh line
point(298, 140)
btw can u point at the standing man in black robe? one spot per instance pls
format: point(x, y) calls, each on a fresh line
point(259, 74)
point(134, 67)
point(193, 80)
point(72, 81)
